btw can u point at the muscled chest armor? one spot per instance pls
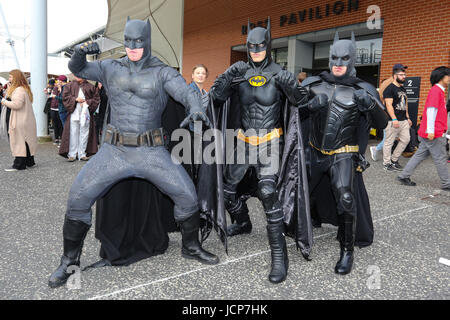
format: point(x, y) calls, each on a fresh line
point(137, 99)
point(260, 106)
point(336, 125)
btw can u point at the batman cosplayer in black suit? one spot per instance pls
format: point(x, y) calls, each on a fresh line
point(261, 100)
point(340, 108)
point(138, 88)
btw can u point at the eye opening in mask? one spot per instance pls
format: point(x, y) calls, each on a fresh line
point(252, 45)
point(333, 57)
point(261, 45)
point(346, 58)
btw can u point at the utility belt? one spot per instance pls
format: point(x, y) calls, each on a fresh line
point(150, 138)
point(256, 140)
point(344, 149)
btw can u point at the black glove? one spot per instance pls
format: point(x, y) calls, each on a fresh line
point(287, 82)
point(318, 102)
point(196, 115)
point(286, 79)
point(238, 69)
point(363, 100)
point(89, 47)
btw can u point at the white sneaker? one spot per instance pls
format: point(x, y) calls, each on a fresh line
point(373, 153)
point(11, 170)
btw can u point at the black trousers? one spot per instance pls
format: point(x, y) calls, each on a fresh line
point(57, 124)
point(21, 163)
point(341, 170)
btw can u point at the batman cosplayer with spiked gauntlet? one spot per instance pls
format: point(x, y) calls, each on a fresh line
point(260, 99)
point(341, 108)
point(138, 87)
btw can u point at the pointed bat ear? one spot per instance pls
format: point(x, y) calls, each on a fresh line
point(128, 18)
point(248, 26)
point(336, 37)
point(353, 39)
point(268, 24)
point(149, 26)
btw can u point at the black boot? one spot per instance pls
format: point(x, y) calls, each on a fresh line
point(241, 223)
point(280, 262)
point(347, 242)
point(239, 228)
point(191, 246)
point(74, 233)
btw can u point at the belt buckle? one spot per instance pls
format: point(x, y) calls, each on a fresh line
point(129, 139)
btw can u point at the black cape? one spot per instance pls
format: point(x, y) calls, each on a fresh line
point(292, 182)
point(323, 204)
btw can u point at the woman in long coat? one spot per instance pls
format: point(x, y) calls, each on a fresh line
point(22, 122)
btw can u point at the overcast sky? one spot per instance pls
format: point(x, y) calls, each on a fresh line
point(68, 20)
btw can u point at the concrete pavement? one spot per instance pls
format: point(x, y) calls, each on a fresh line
point(412, 229)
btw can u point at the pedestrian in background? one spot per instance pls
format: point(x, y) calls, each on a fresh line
point(379, 147)
point(61, 81)
point(22, 123)
point(432, 131)
point(79, 139)
point(54, 114)
point(396, 101)
point(199, 75)
point(301, 76)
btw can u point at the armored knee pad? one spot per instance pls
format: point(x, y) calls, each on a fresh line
point(346, 201)
point(267, 193)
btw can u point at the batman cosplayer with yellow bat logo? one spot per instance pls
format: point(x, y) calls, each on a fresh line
point(260, 103)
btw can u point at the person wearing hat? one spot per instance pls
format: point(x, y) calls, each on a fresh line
point(396, 102)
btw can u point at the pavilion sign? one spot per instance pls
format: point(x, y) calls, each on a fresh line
point(315, 13)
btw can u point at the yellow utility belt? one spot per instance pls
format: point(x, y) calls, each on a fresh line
point(256, 140)
point(345, 149)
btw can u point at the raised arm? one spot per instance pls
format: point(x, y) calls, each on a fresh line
point(79, 66)
point(222, 88)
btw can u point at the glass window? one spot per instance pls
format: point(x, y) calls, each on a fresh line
point(280, 56)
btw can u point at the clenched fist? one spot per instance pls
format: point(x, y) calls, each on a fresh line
point(89, 47)
point(363, 100)
point(238, 69)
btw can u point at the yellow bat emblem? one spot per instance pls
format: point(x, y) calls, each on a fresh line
point(257, 81)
